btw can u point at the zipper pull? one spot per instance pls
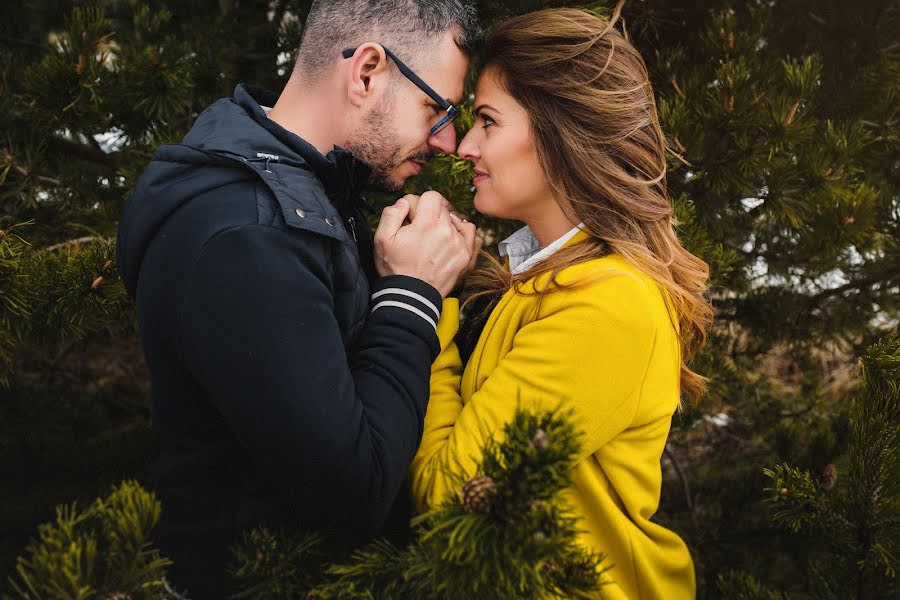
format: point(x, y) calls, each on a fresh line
point(268, 158)
point(352, 222)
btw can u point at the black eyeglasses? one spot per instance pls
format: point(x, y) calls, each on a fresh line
point(452, 111)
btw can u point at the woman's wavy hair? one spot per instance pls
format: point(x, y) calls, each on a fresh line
point(593, 117)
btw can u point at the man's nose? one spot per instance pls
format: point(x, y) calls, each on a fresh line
point(444, 140)
point(468, 147)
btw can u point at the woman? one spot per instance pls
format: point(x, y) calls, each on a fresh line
point(600, 306)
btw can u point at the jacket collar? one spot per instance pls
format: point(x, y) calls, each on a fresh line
point(342, 175)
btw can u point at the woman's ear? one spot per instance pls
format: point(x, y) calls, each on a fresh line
point(367, 74)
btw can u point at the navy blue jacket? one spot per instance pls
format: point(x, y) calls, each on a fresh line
point(289, 383)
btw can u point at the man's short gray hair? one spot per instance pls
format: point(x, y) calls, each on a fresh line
point(408, 27)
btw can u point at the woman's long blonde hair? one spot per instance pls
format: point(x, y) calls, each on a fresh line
point(598, 138)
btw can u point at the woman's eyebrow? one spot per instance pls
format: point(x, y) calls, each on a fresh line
point(481, 107)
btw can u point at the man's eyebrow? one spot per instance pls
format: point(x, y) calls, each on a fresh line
point(450, 102)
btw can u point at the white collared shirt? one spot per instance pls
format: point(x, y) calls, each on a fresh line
point(524, 250)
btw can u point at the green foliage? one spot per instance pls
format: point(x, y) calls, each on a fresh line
point(766, 164)
point(75, 290)
point(73, 73)
point(104, 549)
point(60, 293)
point(374, 572)
point(276, 565)
point(781, 118)
point(858, 520)
point(521, 545)
point(162, 66)
point(13, 306)
point(736, 585)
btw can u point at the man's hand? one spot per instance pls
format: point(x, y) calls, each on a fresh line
point(475, 243)
point(414, 203)
point(434, 247)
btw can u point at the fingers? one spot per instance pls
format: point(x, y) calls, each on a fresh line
point(476, 250)
point(391, 220)
point(479, 244)
point(439, 196)
point(430, 196)
point(430, 207)
point(467, 230)
point(413, 205)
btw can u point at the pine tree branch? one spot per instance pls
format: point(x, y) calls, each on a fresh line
point(737, 537)
point(888, 49)
point(85, 152)
point(799, 413)
point(856, 284)
point(92, 141)
point(818, 19)
point(684, 483)
point(21, 42)
point(678, 90)
point(76, 242)
point(24, 173)
point(278, 14)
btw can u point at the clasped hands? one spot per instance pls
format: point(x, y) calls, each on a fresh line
point(423, 237)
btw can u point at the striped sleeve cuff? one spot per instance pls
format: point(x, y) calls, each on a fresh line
point(408, 294)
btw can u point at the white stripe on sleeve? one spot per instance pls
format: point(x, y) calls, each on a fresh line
point(401, 292)
point(408, 307)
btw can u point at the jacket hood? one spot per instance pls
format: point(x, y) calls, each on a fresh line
point(232, 141)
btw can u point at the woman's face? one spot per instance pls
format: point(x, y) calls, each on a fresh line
point(509, 180)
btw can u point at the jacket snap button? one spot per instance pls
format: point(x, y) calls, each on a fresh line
point(330, 221)
point(300, 213)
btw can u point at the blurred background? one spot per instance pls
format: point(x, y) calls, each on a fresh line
point(785, 114)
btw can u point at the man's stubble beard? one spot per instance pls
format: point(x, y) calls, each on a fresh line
point(375, 146)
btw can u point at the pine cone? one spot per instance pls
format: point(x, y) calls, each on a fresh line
point(828, 476)
point(540, 440)
point(477, 494)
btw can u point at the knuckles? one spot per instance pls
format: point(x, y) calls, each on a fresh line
point(431, 194)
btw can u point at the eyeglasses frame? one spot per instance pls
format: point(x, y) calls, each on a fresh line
point(443, 104)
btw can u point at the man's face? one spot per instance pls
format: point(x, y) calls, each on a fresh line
point(394, 135)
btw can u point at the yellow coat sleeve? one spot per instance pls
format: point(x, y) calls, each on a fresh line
point(588, 351)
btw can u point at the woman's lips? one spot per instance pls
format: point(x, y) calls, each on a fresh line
point(479, 177)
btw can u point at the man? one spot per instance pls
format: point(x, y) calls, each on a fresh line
point(289, 372)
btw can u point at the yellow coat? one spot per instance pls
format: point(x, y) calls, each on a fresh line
point(609, 351)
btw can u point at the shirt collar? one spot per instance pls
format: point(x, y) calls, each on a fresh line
point(524, 251)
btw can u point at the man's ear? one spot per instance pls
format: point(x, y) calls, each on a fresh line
point(367, 74)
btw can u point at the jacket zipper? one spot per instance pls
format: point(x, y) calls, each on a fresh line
point(352, 222)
